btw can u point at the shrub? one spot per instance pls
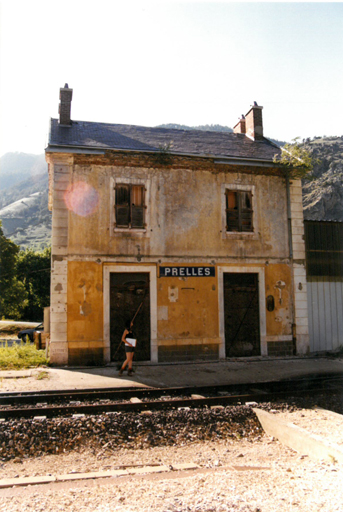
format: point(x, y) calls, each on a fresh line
point(22, 356)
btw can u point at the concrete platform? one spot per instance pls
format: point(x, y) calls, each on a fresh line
point(299, 439)
point(185, 374)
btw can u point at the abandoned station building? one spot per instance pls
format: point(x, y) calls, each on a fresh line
point(197, 233)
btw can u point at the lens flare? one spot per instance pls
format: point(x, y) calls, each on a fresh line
point(81, 198)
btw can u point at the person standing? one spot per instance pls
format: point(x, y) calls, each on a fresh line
point(130, 344)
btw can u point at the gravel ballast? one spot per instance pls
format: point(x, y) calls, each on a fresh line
point(27, 437)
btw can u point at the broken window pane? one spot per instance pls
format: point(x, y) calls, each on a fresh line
point(122, 195)
point(137, 217)
point(137, 195)
point(123, 216)
point(231, 199)
point(123, 206)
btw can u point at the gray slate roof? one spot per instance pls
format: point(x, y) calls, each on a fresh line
point(90, 135)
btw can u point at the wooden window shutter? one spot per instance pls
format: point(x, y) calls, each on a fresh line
point(123, 206)
point(137, 206)
point(232, 212)
point(246, 211)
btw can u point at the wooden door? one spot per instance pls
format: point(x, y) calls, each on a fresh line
point(128, 292)
point(241, 312)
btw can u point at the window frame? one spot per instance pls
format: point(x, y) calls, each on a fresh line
point(130, 182)
point(126, 208)
point(233, 187)
point(240, 215)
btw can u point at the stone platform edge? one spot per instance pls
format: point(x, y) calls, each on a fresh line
point(299, 439)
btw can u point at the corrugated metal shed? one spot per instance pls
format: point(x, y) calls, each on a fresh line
point(324, 262)
point(324, 248)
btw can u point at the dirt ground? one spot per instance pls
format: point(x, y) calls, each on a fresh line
point(39, 379)
point(243, 476)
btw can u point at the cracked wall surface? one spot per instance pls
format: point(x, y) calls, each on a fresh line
point(184, 226)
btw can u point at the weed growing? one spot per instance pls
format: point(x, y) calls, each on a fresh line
point(42, 375)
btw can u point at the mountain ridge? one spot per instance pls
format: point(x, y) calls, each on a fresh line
point(16, 166)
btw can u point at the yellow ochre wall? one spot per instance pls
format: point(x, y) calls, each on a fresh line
point(187, 308)
point(279, 321)
point(85, 311)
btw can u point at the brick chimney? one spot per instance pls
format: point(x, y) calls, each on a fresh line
point(240, 126)
point(66, 95)
point(254, 125)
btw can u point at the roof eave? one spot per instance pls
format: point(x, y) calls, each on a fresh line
point(246, 161)
point(57, 148)
point(219, 160)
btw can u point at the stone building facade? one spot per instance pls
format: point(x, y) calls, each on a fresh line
point(198, 234)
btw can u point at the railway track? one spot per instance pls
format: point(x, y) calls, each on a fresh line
point(94, 401)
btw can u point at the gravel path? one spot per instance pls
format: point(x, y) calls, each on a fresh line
point(291, 482)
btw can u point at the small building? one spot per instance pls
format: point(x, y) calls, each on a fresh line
point(196, 233)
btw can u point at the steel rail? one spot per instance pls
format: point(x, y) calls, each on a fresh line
point(52, 396)
point(56, 411)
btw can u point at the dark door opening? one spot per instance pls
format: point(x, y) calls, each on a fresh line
point(127, 292)
point(241, 312)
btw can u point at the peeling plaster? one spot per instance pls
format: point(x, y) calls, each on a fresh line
point(173, 293)
point(85, 288)
point(162, 313)
point(85, 308)
point(280, 285)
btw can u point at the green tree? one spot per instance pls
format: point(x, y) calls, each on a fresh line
point(33, 269)
point(296, 160)
point(13, 295)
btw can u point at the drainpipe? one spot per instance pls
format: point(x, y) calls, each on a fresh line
point(289, 216)
point(290, 242)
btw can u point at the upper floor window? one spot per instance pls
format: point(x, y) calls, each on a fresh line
point(239, 211)
point(129, 206)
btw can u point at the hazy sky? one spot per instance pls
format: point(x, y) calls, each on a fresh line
point(168, 61)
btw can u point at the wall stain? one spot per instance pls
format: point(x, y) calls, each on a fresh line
point(85, 308)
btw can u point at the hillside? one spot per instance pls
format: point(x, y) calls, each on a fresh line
point(203, 127)
point(323, 197)
point(16, 167)
point(24, 201)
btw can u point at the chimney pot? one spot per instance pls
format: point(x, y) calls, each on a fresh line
point(64, 110)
